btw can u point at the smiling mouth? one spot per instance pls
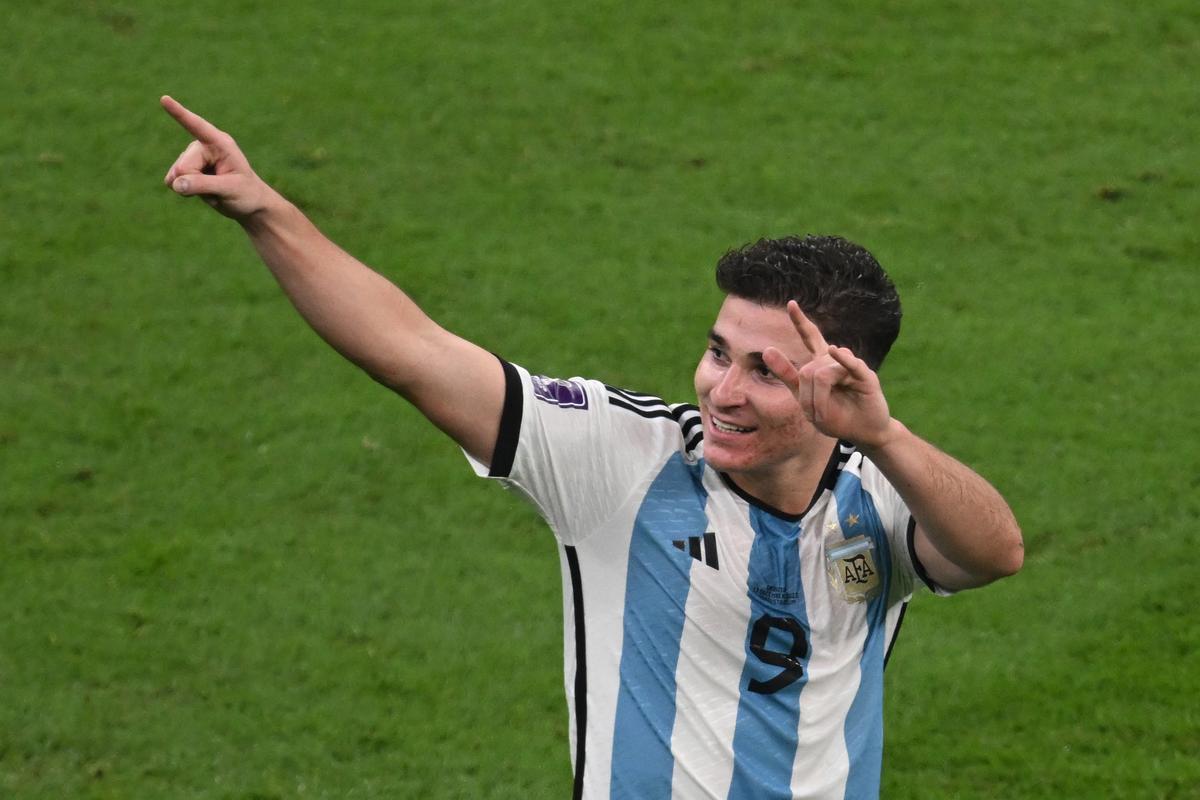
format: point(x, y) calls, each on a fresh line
point(725, 428)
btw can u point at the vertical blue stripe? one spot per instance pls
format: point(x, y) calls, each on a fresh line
point(656, 592)
point(864, 720)
point(765, 737)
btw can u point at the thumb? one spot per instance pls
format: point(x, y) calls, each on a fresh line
point(199, 183)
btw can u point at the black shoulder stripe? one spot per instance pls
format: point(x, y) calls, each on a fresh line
point(688, 425)
point(631, 393)
point(685, 415)
point(648, 413)
point(635, 398)
point(681, 410)
point(688, 417)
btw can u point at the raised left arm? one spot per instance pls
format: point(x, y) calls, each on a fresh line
point(966, 534)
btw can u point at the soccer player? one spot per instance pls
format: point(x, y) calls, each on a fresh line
point(735, 571)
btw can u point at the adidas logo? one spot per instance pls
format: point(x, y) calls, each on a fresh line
point(700, 548)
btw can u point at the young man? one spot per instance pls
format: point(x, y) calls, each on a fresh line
point(734, 572)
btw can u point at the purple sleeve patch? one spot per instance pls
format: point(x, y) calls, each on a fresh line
point(567, 394)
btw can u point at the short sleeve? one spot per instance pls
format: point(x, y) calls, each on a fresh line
point(900, 525)
point(577, 448)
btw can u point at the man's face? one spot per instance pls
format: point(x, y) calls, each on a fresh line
point(752, 422)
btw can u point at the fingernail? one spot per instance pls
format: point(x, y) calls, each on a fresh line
point(181, 185)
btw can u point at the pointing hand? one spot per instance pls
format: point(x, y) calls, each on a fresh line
point(213, 167)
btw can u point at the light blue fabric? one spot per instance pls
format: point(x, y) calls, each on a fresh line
point(656, 592)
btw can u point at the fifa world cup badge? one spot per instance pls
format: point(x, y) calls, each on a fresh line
point(851, 567)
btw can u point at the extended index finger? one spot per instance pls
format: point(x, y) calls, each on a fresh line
point(192, 122)
point(809, 332)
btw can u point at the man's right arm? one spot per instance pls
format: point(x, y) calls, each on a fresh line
point(456, 384)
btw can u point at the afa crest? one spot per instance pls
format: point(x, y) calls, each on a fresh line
point(852, 570)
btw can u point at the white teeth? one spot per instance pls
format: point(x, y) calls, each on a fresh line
point(728, 428)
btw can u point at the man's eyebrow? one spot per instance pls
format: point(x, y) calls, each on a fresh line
point(755, 357)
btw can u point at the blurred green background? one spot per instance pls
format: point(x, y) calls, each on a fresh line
point(234, 567)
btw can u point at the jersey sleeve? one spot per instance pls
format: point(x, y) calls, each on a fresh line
point(907, 570)
point(577, 449)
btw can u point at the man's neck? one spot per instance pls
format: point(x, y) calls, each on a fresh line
point(790, 487)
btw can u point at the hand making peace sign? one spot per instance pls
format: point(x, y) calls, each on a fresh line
point(839, 394)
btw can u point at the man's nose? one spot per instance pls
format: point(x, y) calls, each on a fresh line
point(730, 390)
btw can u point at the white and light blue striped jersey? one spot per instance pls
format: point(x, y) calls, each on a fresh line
point(714, 647)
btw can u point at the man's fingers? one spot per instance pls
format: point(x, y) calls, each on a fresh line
point(192, 159)
point(192, 122)
point(213, 168)
point(825, 376)
point(810, 334)
point(198, 183)
point(781, 367)
point(855, 366)
point(822, 391)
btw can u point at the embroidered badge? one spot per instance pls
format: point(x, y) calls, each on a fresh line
point(851, 567)
point(567, 394)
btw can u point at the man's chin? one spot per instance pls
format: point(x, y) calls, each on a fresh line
point(723, 461)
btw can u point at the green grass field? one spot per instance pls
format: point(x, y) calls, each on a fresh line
point(234, 567)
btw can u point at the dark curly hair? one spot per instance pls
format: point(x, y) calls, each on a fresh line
point(838, 284)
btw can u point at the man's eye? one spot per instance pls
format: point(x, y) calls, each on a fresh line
point(717, 353)
point(765, 373)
